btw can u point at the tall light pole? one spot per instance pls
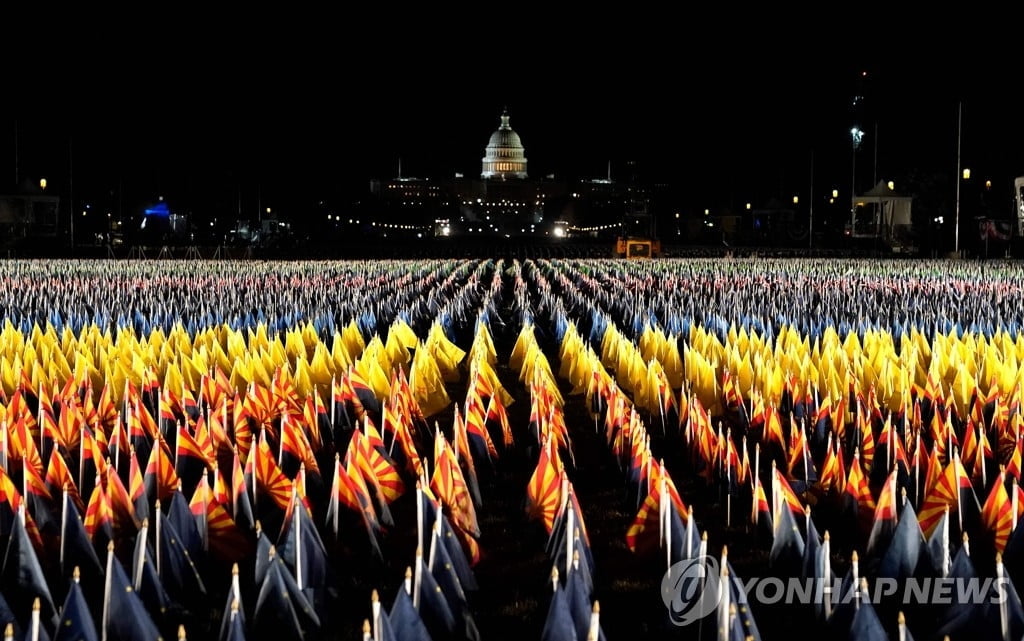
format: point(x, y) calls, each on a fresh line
point(856, 135)
point(810, 213)
point(956, 223)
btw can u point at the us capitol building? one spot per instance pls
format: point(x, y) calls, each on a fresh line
point(504, 200)
point(505, 157)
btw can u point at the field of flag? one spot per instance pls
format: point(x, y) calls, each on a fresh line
point(378, 450)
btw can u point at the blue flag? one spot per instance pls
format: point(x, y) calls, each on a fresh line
point(76, 622)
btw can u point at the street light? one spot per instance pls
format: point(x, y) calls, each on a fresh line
point(42, 184)
point(856, 135)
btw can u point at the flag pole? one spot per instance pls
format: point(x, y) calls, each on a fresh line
point(959, 130)
point(157, 546)
point(375, 610)
point(419, 512)
point(106, 591)
point(417, 576)
point(826, 555)
point(141, 558)
point(1004, 615)
point(298, 536)
point(64, 520)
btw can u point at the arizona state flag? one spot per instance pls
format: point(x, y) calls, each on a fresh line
point(190, 462)
point(953, 489)
point(295, 449)
point(884, 522)
point(58, 477)
point(997, 514)
point(137, 488)
point(269, 476)
point(99, 516)
point(543, 492)
point(857, 491)
point(449, 485)
point(160, 479)
point(241, 507)
point(640, 537)
point(761, 511)
point(224, 540)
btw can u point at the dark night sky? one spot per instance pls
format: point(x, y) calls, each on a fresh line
point(311, 109)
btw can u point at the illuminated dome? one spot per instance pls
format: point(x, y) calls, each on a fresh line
point(505, 156)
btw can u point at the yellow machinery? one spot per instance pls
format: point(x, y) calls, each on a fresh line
point(637, 248)
point(639, 239)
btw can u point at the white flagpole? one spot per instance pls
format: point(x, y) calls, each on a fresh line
point(375, 609)
point(106, 591)
point(141, 558)
point(1004, 615)
point(826, 547)
point(417, 577)
point(297, 520)
point(157, 546)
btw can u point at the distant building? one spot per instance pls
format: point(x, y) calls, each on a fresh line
point(28, 212)
point(505, 156)
point(504, 200)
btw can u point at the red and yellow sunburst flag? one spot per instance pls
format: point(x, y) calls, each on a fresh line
point(376, 468)
point(205, 441)
point(476, 429)
point(969, 450)
point(867, 440)
point(1013, 461)
point(137, 488)
point(241, 506)
point(313, 413)
point(99, 515)
point(224, 539)
point(349, 490)
point(17, 408)
point(760, 510)
point(886, 511)
point(659, 472)
point(773, 429)
point(496, 414)
point(69, 425)
point(118, 446)
point(21, 446)
point(543, 492)
point(644, 534)
point(640, 535)
point(120, 502)
point(997, 513)
point(449, 485)
point(397, 422)
point(106, 411)
point(857, 490)
point(295, 445)
point(160, 479)
point(268, 475)
point(831, 475)
point(783, 495)
point(58, 477)
point(948, 491)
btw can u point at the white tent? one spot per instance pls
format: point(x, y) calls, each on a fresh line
point(892, 210)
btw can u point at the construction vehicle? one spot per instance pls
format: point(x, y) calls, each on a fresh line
point(638, 238)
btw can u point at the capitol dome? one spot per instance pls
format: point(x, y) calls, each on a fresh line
point(505, 156)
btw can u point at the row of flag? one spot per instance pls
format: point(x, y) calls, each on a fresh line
point(719, 453)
